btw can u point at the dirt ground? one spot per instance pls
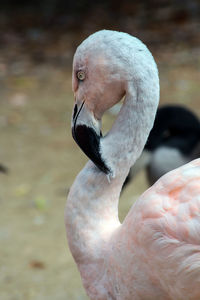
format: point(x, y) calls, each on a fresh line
point(43, 160)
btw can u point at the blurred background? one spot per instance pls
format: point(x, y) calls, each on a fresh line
point(37, 42)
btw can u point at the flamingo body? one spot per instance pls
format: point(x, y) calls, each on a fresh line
point(166, 227)
point(155, 252)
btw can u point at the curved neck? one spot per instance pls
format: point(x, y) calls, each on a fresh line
point(93, 199)
point(91, 214)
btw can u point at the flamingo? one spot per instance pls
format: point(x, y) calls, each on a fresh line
point(155, 253)
point(176, 136)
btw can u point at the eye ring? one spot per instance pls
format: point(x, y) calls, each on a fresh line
point(80, 75)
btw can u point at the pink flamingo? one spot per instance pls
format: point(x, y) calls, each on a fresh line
point(155, 253)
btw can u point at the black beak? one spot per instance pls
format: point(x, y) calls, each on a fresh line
point(88, 140)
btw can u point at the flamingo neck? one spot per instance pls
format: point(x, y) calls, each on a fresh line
point(91, 213)
point(91, 216)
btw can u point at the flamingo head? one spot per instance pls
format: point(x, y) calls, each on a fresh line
point(104, 66)
point(98, 83)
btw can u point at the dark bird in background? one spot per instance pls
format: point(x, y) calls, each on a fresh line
point(173, 141)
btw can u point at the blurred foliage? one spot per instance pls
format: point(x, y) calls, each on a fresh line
point(48, 31)
point(88, 14)
point(183, 8)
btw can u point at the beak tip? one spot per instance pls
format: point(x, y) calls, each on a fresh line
point(89, 142)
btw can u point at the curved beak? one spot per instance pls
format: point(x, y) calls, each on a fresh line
point(87, 134)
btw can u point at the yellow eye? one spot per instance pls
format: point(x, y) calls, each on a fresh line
point(80, 75)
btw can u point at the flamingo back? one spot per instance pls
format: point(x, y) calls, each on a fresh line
point(166, 226)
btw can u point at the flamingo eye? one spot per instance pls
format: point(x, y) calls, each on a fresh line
point(80, 75)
